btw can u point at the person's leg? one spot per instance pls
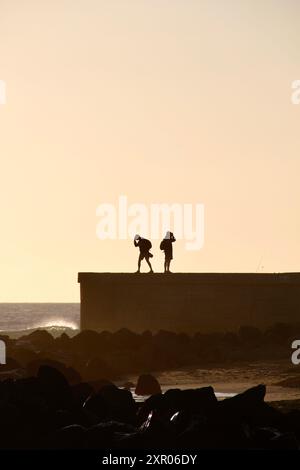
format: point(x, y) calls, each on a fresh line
point(149, 264)
point(139, 263)
point(166, 265)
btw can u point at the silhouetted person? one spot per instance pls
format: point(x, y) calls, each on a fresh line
point(167, 247)
point(144, 246)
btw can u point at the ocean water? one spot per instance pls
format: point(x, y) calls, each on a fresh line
point(55, 317)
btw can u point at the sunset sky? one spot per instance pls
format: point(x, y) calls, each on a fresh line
point(185, 101)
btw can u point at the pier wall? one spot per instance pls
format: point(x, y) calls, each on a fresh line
point(187, 302)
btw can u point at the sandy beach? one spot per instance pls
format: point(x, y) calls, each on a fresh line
point(228, 381)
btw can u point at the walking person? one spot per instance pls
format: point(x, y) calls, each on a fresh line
point(144, 246)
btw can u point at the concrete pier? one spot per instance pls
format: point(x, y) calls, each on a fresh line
point(187, 302)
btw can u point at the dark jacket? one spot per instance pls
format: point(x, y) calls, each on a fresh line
point(143, 244)
point(167, 247)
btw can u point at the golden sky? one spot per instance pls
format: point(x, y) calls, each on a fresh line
point(160, 100)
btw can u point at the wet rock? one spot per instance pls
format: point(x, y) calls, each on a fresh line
point(112, 403)
point(87, 342)
point(147, 336)
point(215, 434)
point(291, 422)
point(192, 401)
point(246, 400)
point(127, 340)
point(284, 441)
point(157, 432)
point(41, 339)
point(181, 420)
point(98, 384)
point(55, 387)
point(271, 438)
point(249, 407)
point(96, 369)
point(147, 385)
point(23, 355)
point(62, 342)
point(154, 402)
point(107, 435)
point(69, 437)
point(10, 417)
point(70, 374)
point(200, 400)
point(81, 392)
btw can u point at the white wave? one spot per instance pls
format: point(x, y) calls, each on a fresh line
point(56, 323)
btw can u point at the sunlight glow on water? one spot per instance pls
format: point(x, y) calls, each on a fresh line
point(57, 323)
point(29, 316)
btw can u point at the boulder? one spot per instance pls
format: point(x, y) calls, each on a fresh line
point(70, 374)
point(62, 342)
point(112, 403)
point(199, 400)
point(107, 435)
point(81, 392)
point(147, 385)
point(23, 355)
point(96, 369)
point(55, 387)
point(41, 339)
point(87, 342)
point(246, 400)
point(154, 402)
point(69, 437)
point(126, 340)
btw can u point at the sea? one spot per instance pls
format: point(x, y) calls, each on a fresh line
point(20, 318)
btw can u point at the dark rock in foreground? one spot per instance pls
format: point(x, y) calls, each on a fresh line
point(46, 412)
point(59, 394)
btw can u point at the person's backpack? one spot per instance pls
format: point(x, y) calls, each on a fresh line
point(162, 245)
point(147, 244)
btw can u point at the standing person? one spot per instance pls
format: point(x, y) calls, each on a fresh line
point(144, 246)
point(167, 247)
